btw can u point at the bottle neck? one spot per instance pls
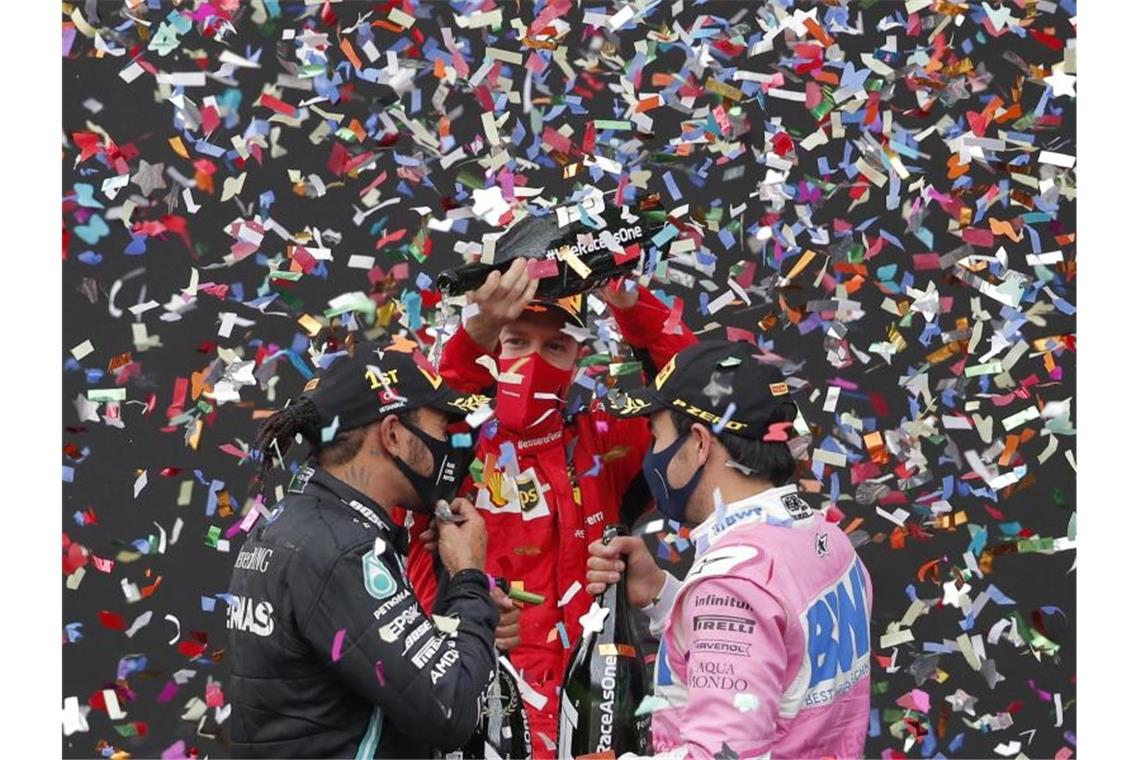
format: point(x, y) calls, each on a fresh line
point(614, 592)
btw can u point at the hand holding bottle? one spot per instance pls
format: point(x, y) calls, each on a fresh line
point(606, 681)
point(617, 296)
point(501, 299)
point(507, 632)
point(643, 579)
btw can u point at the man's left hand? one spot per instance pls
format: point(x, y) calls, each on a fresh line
point(617, 296)
point(507, 632)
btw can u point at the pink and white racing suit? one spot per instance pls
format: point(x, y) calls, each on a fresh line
point(765, 649)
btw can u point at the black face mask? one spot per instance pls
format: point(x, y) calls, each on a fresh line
point(449, 465)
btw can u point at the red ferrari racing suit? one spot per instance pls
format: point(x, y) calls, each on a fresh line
point(545, 497)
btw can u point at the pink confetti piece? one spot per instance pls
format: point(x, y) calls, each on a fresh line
point(536, 269)
point(338, 641)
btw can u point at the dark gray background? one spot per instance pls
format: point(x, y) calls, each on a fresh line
point(189, 569)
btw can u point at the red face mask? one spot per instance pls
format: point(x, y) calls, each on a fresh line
point(530, 393)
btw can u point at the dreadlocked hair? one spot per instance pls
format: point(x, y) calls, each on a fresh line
point(278, 431)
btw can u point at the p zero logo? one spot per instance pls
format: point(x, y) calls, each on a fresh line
point(696, 411)
point(838, 645)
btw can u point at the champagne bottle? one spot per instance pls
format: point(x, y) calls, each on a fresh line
point(503, 726)
point(606, 682)
point(603, 268)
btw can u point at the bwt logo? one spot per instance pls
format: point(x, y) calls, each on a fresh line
point(838, 629)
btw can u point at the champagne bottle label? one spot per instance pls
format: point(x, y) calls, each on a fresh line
point(568, 721)
point(605, 682)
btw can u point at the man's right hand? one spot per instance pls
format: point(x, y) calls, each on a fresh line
point(501, 299)
point(643, 581)
point(463, 544)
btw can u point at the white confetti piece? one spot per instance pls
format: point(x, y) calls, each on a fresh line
point(82, 350)
point(594, 620)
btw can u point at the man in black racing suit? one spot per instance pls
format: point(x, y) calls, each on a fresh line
point(330, 654)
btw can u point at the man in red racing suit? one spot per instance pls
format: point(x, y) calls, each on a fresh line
point(547, 489)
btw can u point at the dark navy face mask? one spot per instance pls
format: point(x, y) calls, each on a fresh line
point(671, 501)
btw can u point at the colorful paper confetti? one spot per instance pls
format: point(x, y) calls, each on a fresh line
point(879, 195)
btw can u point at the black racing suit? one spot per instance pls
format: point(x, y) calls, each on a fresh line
point(330, 654)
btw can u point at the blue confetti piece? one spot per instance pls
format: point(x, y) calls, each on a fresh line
point(671, 184)
point(74, 632)
point(929, 744)
point(978, 541)
point(84, 195)
point(461, 440)
point(664, 235)
point(999, 597)
point(137, 246)
point(212, 499)
point(95, 230)
point(726, 238)
point(68, 474)
point(412, 307)
point(507, 453)
point(208, 603)
point(131, 664)
point(725, 418)
point(299, 365)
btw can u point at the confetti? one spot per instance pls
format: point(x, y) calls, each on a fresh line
point(877, 196)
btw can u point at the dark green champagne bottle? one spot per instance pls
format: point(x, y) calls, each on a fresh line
point(603, 268)
point(606, 682)
point(503, 726)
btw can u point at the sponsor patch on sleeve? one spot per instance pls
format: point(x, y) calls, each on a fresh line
point(378, 580)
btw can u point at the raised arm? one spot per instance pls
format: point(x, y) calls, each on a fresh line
point(499, 300)
point(646, 323)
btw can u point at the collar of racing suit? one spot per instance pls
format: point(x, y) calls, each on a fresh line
point(359, 503)
point(779, 506)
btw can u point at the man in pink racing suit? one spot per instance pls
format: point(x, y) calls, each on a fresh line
point(765, 645)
